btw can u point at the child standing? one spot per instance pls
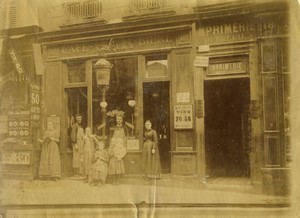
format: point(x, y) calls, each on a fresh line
point(99, 168)
point(89, 143)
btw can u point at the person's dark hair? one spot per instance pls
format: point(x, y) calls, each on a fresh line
point(148, 121)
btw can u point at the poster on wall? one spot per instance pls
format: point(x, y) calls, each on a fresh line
point(19, 122)
point(183, 118)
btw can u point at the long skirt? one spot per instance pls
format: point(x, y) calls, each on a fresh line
point(98, 172)
point(88, 157)
point(76, 156)
point(151, 162)
point(50, 165)
point(116, 166)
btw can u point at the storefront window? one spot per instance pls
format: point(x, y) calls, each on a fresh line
point(156, 66)
point(121, 95)
point(76, 72)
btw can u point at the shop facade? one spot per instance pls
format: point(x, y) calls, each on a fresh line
point(214, 83)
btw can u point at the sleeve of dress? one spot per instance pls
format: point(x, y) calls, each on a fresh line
point(155, 138)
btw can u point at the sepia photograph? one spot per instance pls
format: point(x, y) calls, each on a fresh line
point(149, 108)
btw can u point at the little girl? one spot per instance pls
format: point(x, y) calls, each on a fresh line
point(99, 168)
point(88, 149)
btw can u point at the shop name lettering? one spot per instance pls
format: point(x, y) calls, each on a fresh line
point(227, 66)
point(228, 32)
point(14, 58)
point(117, 45)
point(230, 28)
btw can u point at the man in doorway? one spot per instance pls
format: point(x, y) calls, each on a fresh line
point(77, 134)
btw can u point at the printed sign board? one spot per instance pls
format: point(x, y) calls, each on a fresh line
point(19, 122)
point(183, 117)
point(13, 157)
point(133, 144)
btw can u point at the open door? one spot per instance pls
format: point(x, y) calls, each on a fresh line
point(156, 108)
point(227, 127)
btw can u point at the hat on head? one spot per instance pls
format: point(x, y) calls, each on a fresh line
point(78, 115)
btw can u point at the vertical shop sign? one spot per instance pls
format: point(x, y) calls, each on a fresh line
point(19, 122)
point(35, 104)
point(16, 60)
point(183, 117)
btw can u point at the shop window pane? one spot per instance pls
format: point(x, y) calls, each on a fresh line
point(121, 95)
point(270, 104)
point(268, 57)
point(156, 66)
point(76, 72)
point(272, 150)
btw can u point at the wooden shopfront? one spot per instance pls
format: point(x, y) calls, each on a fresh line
point(242, 76)
point(20, 106)
point(151, 78)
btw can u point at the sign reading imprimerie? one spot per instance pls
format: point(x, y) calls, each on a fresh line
point(227, 32)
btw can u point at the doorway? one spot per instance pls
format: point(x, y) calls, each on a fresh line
point(157, 109)
point(227, 127)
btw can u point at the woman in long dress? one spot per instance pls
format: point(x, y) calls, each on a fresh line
point(151, 158)
point(50, 165)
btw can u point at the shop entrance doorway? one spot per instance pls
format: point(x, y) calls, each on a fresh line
point(227, 127)
point(76, 103)
point(157, 109)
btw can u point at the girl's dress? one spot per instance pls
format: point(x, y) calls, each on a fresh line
point(152, 166)
point(99, 168)
point(117, 147)
point(88, 150)
point(50, 165)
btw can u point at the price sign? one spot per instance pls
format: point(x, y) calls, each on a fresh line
point(19, 122)
point(183, 117)
point(35, 104)
point(15, 158)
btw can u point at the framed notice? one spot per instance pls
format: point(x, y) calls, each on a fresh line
point(132, 144)
point(183, 116)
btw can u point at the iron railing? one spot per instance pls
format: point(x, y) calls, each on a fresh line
point(137, 6)
point(77, 12)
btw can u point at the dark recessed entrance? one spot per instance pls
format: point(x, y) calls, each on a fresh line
point(156, 108)
point(227, 127)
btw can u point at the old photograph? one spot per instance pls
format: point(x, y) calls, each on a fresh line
point(149, 108)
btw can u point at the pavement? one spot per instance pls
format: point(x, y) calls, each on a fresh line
point(135, 196)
